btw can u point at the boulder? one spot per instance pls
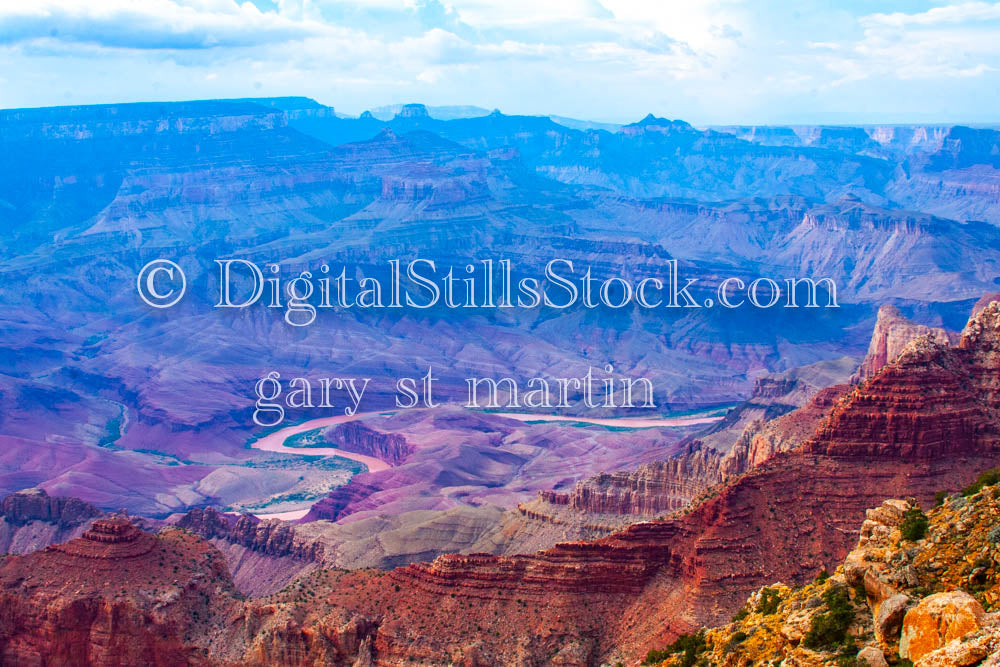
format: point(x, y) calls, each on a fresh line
point(797, 624)
point(872, 657)
point(889, 618)
point(961, 652)
point(937, 620)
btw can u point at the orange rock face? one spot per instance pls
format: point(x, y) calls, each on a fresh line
point(937, 620)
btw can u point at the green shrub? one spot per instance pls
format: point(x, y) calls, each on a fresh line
point(822, 576)
point(939, 498)
point(740, 615)
point(860, 594)
point(914, 525)
point(655, 655)
point(769, 600)
point(690, 645)
point(829, 629)
point(986, 478)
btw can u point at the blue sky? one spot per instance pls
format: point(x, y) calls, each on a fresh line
point(717, 61)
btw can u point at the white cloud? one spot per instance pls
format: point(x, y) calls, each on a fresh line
point(949, 41)
point(513, 13)
point(150, 24)
point(707, 61)
point(960, 13)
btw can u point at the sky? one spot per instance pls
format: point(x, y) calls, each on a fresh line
point(707, 62)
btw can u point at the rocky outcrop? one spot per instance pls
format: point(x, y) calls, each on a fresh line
point(358, 438)
point(892, 333)
point(901, 594)
point(23, 507)
point(937, 620)
point(932, 401)
point(889, 617)
point(413, 111)
point(31, 520)
point(116, 596)
point(652, 489)
point(271, 537)
point(984, 301)
point(113, 539)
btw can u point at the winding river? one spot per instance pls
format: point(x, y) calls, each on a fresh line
point(275, 442)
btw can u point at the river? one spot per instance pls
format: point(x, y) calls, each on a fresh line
point(275, 442)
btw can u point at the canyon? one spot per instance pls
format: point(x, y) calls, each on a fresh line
point(146, 518)
point(290, 180)
point(612, 598)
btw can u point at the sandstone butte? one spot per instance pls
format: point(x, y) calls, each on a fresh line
point(925, 422)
